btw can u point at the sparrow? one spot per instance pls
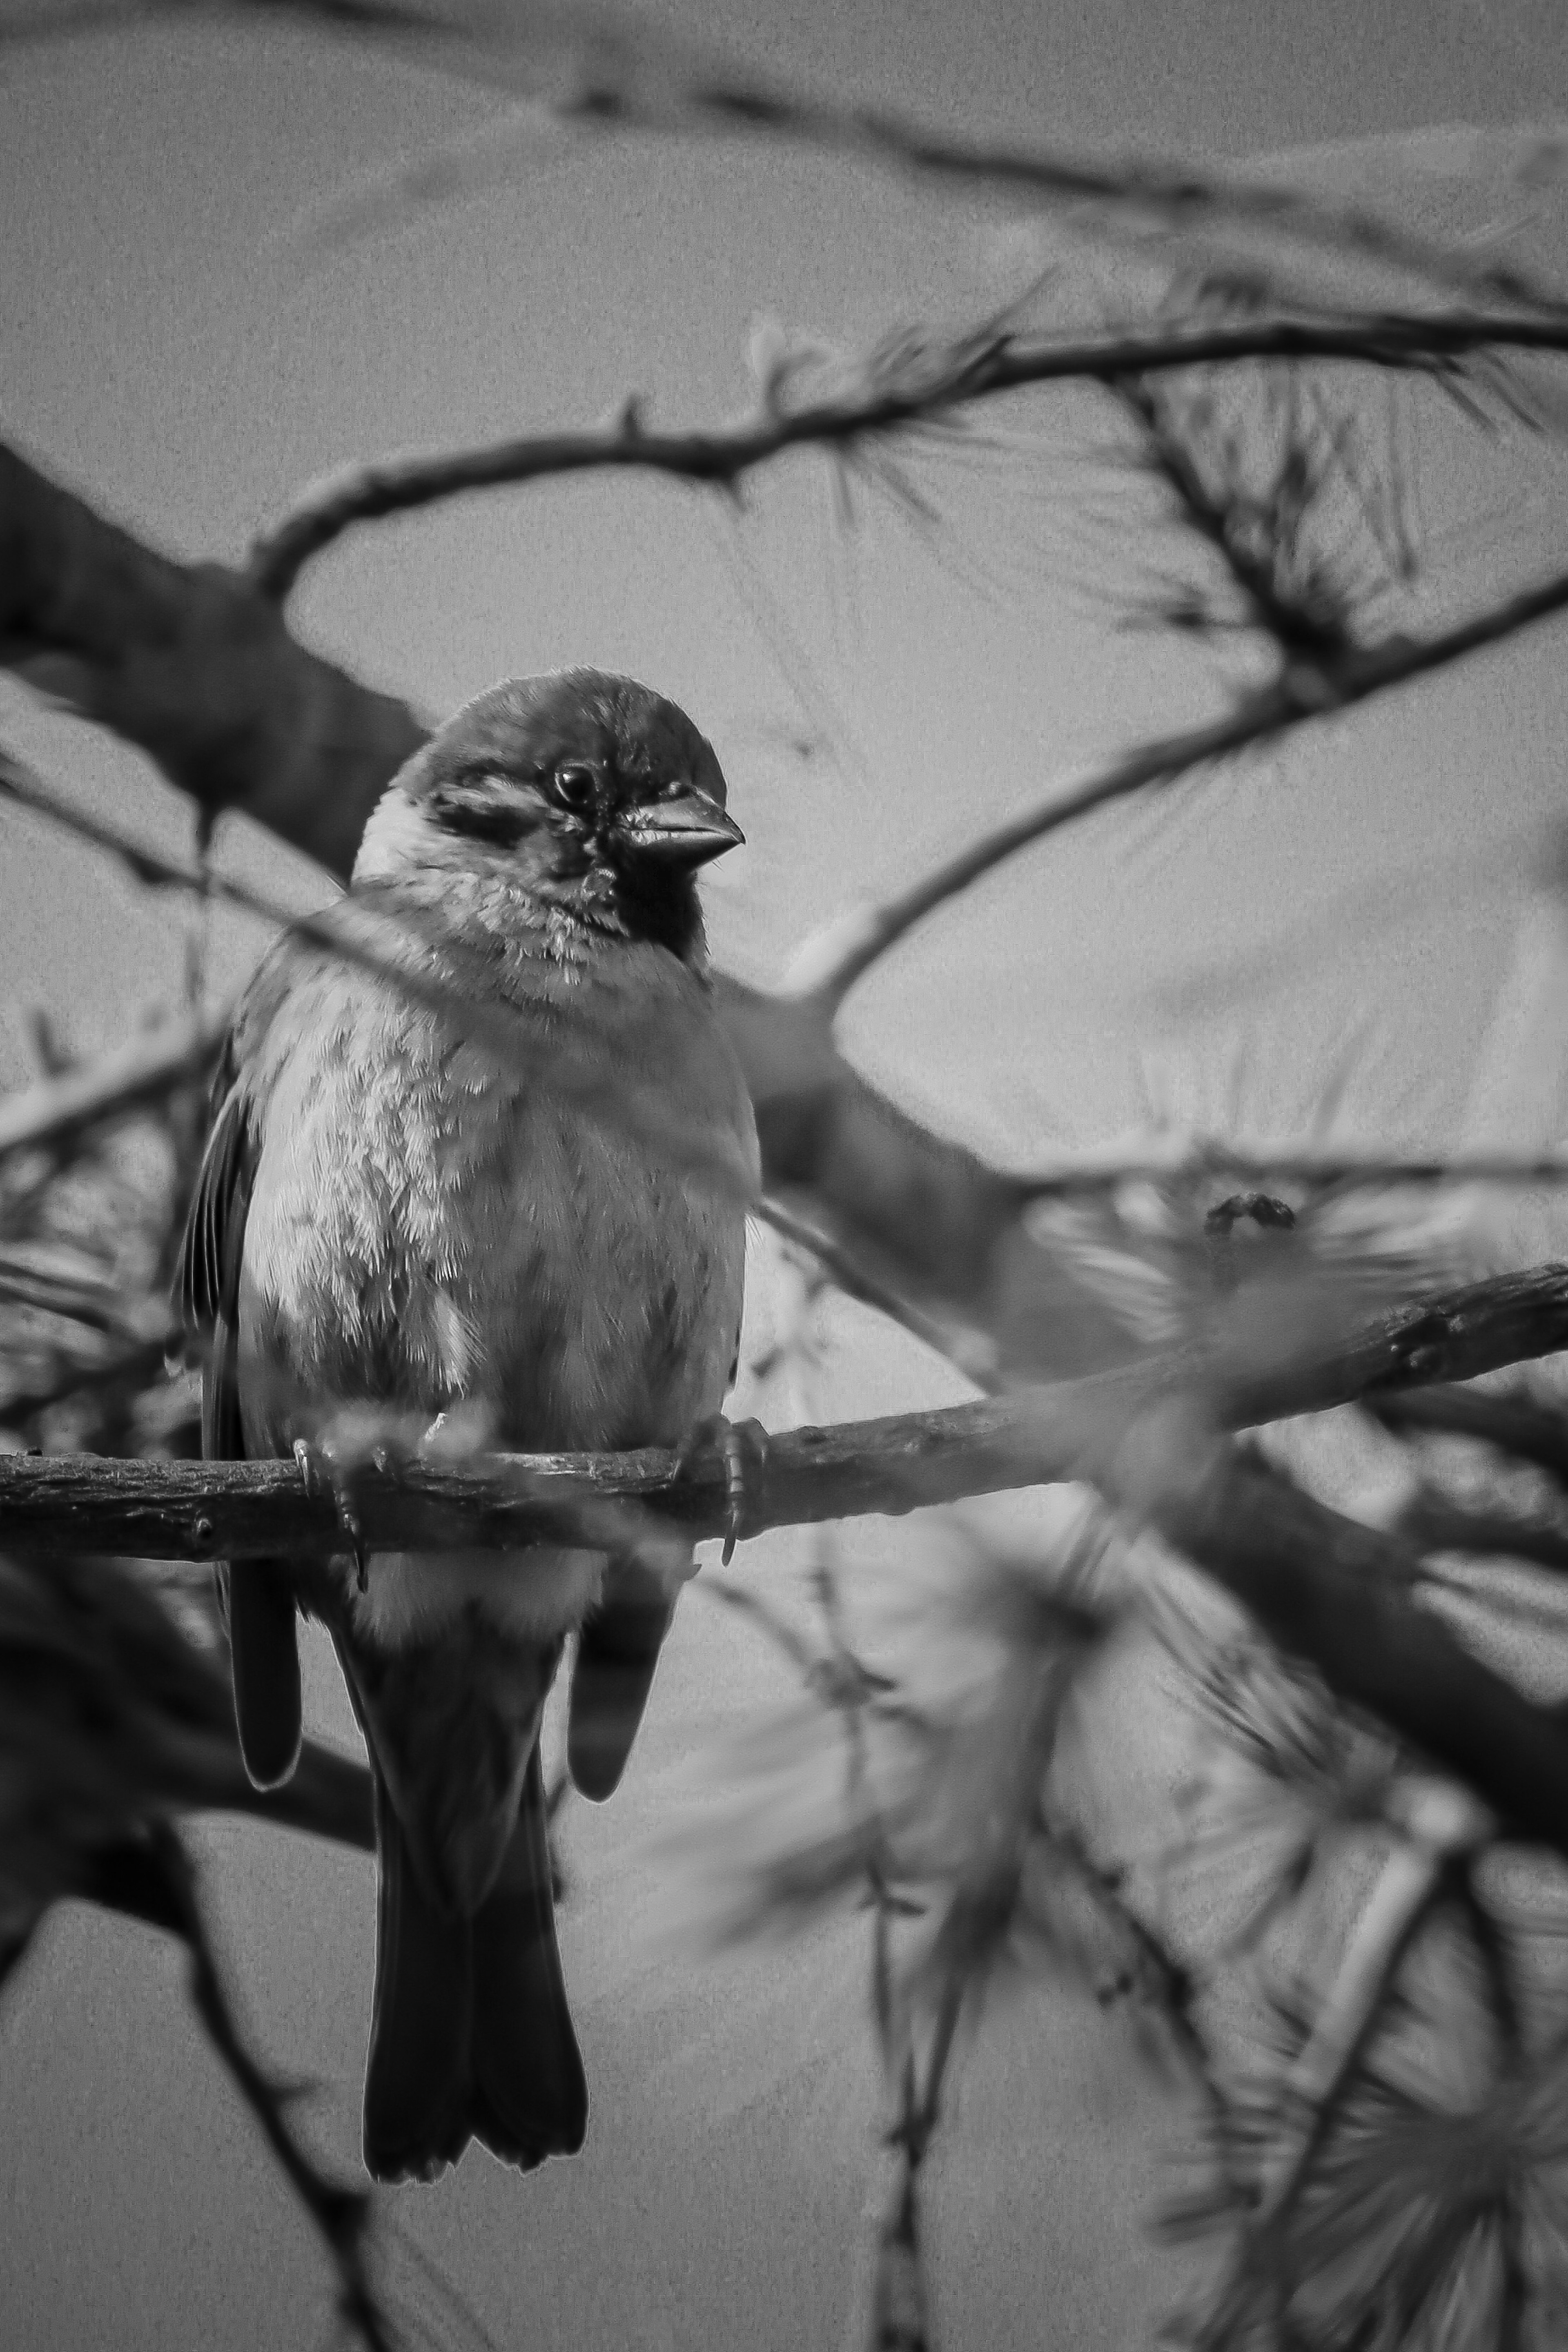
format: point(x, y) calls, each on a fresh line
point(463, 1184)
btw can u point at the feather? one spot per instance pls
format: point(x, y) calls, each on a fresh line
point(618, 1651)
point(257, 1600)
point(471, 2036)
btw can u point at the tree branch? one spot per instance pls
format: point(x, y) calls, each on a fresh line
point(1479, 1327)
point(610, 79)
point(828, 967)
point(145, 1070)
point(919, 384)
point(1531, 1432)
point(188, 662)
point(1184, 1158)
point(1325, 1588)
point(241, 1510)
point(237, 1510)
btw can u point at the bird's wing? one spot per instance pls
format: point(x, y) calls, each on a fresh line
point(259, 1597)
point(618, 1654)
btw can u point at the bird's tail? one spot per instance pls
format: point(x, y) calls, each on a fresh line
point(471, 2037)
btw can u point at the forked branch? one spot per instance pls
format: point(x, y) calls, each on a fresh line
point(920, 384)
point(828, 967)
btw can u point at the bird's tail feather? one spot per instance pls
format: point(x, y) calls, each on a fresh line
point(618, 1651)
point(530, 2099)
point(472, 2037)
point(416, 2118)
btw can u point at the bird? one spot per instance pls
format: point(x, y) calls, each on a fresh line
point(498, 1169)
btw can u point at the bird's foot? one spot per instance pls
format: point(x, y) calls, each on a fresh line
point(742, 1446)
point(329, 1467)
point(358, 1440)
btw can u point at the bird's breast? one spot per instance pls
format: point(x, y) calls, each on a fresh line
point(427, 1230)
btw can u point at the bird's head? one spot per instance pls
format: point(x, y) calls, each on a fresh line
point(594, 797)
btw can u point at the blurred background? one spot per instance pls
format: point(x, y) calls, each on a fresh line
point(214, 292)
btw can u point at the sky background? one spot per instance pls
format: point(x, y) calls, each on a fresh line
point(174, 345)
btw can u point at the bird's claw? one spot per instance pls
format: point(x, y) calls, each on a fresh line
point(324, 1473)
point(743, 1447)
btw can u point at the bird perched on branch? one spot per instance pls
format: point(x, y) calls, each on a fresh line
point(504, 1180)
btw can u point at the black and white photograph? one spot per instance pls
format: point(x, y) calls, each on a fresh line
point(784, 1176)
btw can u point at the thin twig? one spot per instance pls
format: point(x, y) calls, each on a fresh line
point(611, 83)
point(969, 1352)
point(829, 965)
point(237, 1510)
point(1182, 1157)
point(342, 2216)
point(1169, 445)
point(138, 1073)
point(942, 380)
point(1516, 1425)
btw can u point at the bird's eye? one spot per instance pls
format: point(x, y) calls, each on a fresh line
point(575, 786)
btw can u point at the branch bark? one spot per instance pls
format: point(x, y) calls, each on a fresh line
point(142, 1071)
point(1325, 1588)
point(894, 1464)
point(187, 662)
point(829, 968)
point(237, 1510)
point(923, 384)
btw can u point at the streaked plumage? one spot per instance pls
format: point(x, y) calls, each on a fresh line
point(387, 1215)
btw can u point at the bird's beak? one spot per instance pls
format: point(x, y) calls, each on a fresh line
point(686, 829)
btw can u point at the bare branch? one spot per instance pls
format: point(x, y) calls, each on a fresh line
point(1173, 194)
point(1479, 1327)
point(1514, 1424)
point(241, 1510)
point(610, 77)
point(342, 2216)
point(926, 384)
point(142, 1071)
point(233, 1510)
point(1326, 1589)
point(188, 662)
point(1181, 1158)
point(969, 1352)
point(828, 967)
